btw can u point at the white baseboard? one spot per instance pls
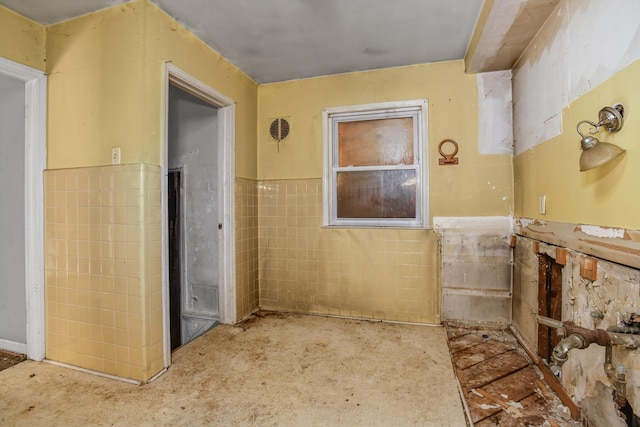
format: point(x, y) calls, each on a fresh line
point(16, 347)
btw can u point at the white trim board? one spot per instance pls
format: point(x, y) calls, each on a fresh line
point(226, 201)
point(35, 162)
point(16, 347)
point(465, 223)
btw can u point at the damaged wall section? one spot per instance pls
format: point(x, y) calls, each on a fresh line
point(476, 269)
point(612, 299)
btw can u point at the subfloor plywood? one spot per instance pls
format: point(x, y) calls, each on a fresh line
point(273, 369)
point(501, 385)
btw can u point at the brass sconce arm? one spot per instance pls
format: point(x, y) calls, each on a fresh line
point(594, 152)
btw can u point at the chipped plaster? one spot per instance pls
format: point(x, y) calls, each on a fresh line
point(495, 132)
point(503, 31)
point(567, 58)
point(597, 231)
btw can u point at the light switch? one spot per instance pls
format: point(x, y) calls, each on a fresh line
point(543, 205)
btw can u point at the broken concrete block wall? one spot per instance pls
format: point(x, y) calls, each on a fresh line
point(476, 269)
point(613, 299)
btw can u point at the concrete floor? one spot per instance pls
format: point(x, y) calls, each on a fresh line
point(273, 369)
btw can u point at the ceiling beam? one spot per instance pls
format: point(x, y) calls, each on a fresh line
point(503, 31)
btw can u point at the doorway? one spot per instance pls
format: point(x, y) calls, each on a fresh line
point(197, 191)
point(193, 216)
point(174, 254)
point(13, 304)
point(23, 125)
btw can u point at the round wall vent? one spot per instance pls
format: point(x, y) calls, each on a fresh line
point(279, 129)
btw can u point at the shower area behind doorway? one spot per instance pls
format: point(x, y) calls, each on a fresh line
point(193, 205)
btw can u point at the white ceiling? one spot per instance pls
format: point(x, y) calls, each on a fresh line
point(277, 40)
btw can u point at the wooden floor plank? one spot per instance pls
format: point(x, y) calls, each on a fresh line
point(516, 386)
point(533, 413)
point(481, 407)
point(460, 341)
point(493, 369)
point(511, 388)
point(453, 333)
point(479, 353)
point(465, 341)
point(496, 377)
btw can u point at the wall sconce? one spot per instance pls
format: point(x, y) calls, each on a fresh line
point(594, 152)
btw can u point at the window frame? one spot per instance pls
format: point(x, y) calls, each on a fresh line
point(331, 117)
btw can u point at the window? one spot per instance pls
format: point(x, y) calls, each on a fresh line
point(375, 165)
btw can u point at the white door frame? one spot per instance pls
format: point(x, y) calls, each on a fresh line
point(226, 196)
point(35, 83)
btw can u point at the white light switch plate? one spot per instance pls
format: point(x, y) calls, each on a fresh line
point(543, 205)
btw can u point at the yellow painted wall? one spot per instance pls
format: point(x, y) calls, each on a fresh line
point(95, 97)
point(601, 196)
point(21, 40)
point(481, 185)
point(166, 40)
point(106, 86)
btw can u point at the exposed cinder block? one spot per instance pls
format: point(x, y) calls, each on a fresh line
point(477, 309)
point(476, 276)
point(457, 245)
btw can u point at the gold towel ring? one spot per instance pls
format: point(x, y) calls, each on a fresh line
point(448, 159)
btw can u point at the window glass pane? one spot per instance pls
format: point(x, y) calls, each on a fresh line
point(377, 194)
point(376, 142)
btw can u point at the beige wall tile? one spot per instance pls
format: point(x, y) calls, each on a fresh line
point(346, 272)
point(93, 250)
point(247, 289)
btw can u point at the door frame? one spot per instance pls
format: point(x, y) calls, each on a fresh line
point(226, 195)
point(35, 83)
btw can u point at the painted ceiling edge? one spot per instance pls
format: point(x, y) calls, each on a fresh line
point(52, 16)
point(90, 11)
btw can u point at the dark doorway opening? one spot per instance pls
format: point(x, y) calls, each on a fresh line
point(175, 276)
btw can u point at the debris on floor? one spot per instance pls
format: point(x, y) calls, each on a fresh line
point(274, 369)
point(501, 385)
point(9, 359)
